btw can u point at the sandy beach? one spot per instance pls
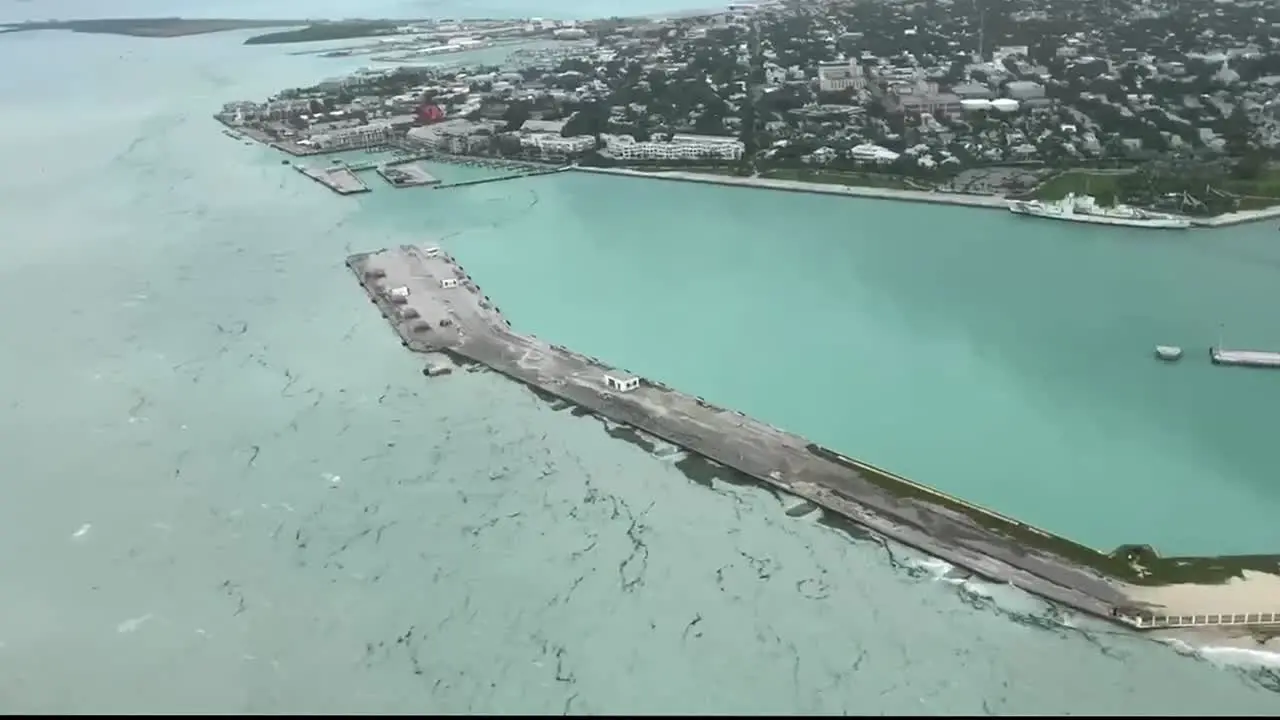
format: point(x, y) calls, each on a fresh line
point(1256, 592)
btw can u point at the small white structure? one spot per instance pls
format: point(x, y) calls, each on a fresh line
point(398, 294)
point(447, 283)
point(621, 384)
point(431, 251)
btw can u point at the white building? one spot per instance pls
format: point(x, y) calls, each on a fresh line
point(1025, 90)
point(358, 136)
point(873, 153)
point(457, 137)
point(624, 383)
point(554, 147)
point(680, 147)
point(836, 77)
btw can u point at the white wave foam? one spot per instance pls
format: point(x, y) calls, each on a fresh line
point(1226, 655)
point(1012, 599)
point(1241, 657)
point(1001, 595)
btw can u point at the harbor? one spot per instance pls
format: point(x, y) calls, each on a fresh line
point(436, 308)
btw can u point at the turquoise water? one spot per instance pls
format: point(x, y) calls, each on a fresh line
point(227, 488)
point(290, 9)
point(1003, 360)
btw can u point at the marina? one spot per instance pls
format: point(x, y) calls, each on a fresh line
point(436, 308)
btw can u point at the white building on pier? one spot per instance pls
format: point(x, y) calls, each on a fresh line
point(621, 383)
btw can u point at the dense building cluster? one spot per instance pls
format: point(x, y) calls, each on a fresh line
point(927, 89)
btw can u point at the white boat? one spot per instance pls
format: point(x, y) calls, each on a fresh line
point(1168, 353)
point(1084, 208)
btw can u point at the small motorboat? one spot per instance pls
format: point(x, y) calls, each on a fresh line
point(1168, 353)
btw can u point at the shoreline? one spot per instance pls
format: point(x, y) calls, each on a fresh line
point(435, 307)
point(990, 202)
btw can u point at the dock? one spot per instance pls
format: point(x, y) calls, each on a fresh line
point(401, 158)
point(407, 174)
point(337, 178)
point(503, 178)
point(1244, 358)
point(435, 307)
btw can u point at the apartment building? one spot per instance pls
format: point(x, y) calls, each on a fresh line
point(457, 137)
point(551, 146)
point(358, 136)
point(840, 76)
point(924, 97)
point(680, 147)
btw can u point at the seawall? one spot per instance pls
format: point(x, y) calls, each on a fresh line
point(435, 307)
point(940, 198)
point(431, 316)
point(994, 202)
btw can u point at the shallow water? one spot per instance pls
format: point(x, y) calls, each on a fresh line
point(867, 327)
point(228, 489)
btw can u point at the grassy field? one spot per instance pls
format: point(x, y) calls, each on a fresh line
point(1101, 185)
point(1257, 193)
point(1264, 189)
point(344, 30)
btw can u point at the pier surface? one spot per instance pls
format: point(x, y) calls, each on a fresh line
point(435, 307)
point(407, 174)
point(1246, 358)
point(337, 178)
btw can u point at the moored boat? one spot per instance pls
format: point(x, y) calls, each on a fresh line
point(1084, 208)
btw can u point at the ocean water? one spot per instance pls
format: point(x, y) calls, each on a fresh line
point(20, 10)
point(227, 488)
point(1019, 353)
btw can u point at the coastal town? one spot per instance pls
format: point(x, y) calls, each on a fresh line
point(1166, 106)
point(1044, 104)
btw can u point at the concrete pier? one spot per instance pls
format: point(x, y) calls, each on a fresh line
point(502, 178)
point(436, 308)
point(337, 178)
point(1245, 358)
point(407, 174)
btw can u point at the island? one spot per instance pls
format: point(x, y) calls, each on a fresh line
point(316, 32)
point(1145, 112)
point(1132, 102)
point(149, 27)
